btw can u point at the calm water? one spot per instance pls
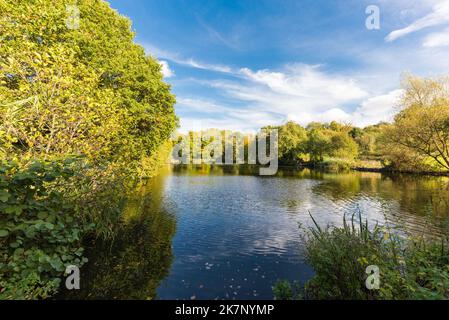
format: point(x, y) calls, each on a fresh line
point(224, 233)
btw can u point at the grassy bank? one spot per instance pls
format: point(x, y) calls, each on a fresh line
point(409, 267)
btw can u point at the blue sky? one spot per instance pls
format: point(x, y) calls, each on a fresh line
point(241, 65)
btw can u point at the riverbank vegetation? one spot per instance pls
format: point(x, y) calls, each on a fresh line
point(84, 115)
point(408, 267)
point(416, 141)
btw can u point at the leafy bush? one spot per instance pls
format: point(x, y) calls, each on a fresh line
point(39, 231)
point(284, 290)
point(410, 268)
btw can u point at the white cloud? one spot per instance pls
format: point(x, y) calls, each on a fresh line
point(304, 81)
point(300, 93)
point(176, 58)
point(166, 71)
point(219, 116)
point(333, 114)
point(215, 35)
point(247, 125)
point(437, 39)
point(438, 16)
point(371, 111)
point(199, 65)
point(298, 89)
point(377, 109)
point(198, 105)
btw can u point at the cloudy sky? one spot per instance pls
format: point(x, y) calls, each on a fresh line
point(244, 64)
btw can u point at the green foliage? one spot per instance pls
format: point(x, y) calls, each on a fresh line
point(417, 141)
point(318, 145)
point(39, 232)
point(410, 268)
point(284, 290)
point(330, 140)
point(213, 146)
point(419, 137)
point(343, 146)
point(369, 139)
point(335, 165)
point(292, 143)
point(133, 263)
point(324, 145)
point(339, 257)
point(89, 91)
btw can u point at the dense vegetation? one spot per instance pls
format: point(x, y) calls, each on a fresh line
point(409, 267)
point(84, 114)
point(417, 140)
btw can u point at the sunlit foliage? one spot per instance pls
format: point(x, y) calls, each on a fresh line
point(421, 129)
point(84, 92)
point(89, 91)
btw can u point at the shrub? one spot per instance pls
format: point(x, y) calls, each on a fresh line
point(284, 290)
point(39, 232)
point(88, 91)
point(410, 268)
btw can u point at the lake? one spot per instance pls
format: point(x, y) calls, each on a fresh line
point(223, 232)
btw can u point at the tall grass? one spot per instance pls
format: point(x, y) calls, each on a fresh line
point(410, 267)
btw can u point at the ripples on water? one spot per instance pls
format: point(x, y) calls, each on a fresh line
point(225, 233)
point(238, 234)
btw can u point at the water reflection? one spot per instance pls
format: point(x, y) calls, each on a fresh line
point(224, 232)
point(418, 203)
point(134, 263)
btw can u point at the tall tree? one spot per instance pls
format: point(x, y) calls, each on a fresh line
point(422, 126)
point(78, 88)
point(318, 145)
point(292, 143)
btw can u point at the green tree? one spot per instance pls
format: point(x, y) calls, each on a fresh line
point(421, 128)
point(87, 93)
point(90, 91)
point(342, 146)
point(330, 140)
point(318, 145)
point(292, 143)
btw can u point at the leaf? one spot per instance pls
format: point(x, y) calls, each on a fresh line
point(42, 215)
point(4, 196)
point(4, 233)
point(14, 245)
point(49, 226)
point(13, 209)
point(19, 251)
point(56, 264)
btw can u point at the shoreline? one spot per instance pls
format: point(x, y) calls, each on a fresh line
point(317, 168)
point(386, 170)
point(389, 171)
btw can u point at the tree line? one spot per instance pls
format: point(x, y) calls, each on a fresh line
point(417, 140)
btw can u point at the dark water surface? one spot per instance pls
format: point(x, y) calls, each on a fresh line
point(226, 233)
